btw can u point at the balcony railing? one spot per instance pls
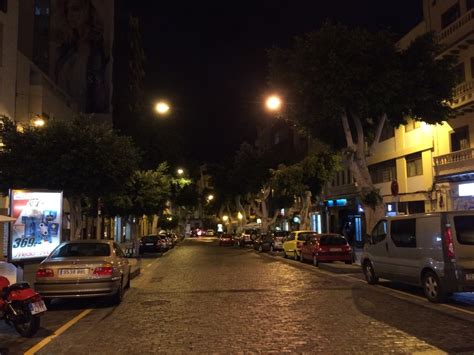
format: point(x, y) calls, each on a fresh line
point(454, 162)
point(463, 93)
point(466, 22)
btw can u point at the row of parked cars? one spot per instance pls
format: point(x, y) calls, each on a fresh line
point(157, 243)
point(301, 245)
point(431, 250)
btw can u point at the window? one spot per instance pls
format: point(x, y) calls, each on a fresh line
point(403, 233)
point(464, 226)
point(4, 6)
point(383, 172)
point(332, 240)
point(304, 236)
point(460, 139)
point(460, 72)
point(82, 250)
point(469, 4)
point(379, 232)
point(387, 132)
point(414, 165)
point(450, 15)
point(411, 125)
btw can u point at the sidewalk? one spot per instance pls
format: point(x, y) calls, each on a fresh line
point(135, 263)
point(338, 267)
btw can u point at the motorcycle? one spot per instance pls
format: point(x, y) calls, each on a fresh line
point(21, 307)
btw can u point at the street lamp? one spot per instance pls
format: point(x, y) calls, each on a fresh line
point(210, 197)
point(38, 122)
point(180, 171)
point(225, 218)
point(240, 216)
point(162, 107)
point(273, 103)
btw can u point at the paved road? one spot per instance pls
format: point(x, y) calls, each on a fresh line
point(205, 298)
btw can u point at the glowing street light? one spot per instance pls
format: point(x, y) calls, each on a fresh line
point(273, 103)
point(39, 122)
point(180, 171)
point(162, 108)
point(240, 216)
point(225, 218)
point(210, 197)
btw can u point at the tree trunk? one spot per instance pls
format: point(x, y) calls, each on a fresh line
point(304, 212)
point(76, 217)
point(241, 209)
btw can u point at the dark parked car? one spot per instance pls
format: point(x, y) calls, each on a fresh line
point(278, 239)
point(247, 237)
point(151, 244)
point(226, 239)
point(263, 243)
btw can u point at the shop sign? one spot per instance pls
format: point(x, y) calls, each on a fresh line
point(36, 230)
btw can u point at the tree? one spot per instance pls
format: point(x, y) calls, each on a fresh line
point(83, 158)
point(344, 85)
point(303, 180)
point(145, 193)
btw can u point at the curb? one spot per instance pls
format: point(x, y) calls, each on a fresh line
point(340, 268)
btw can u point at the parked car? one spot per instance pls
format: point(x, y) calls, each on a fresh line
point(278, 239)
point(247, 237)
point(226, 239)
point(210, 233)
point(84, 268)
point(293, 242)
point(326, 247)
point(263, 242)
point(150, 244)
point(431, 250)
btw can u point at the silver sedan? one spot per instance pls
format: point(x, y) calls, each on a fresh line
point(84, 268)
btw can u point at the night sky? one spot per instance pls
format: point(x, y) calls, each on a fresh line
point(209, 59)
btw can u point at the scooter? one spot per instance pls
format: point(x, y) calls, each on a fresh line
point(21, 307)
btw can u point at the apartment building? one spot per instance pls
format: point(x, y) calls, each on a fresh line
point(420, 167)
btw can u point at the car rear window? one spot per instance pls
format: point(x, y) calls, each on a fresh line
point(464, 226)
point(81, 250)
point(150, 238)
point(332, 240)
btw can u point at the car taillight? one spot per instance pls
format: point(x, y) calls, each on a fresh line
point(103, 271)
point(42, 272)
point(448, 241)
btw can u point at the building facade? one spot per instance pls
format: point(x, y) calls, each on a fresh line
point(420, 167)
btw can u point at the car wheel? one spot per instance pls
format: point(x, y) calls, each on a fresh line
point(349, 262)
point(315, 261)
point(260, 248)
point(118, 297)
point(295, 255)
point(129, 277)
point(432, 287)
point(369, 273)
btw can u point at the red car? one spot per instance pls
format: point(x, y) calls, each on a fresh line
point(226, 239)
point(326, 247)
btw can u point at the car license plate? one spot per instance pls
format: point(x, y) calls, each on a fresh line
point(335, 249)
point(149, 244)
point(73, 272)
point(37, 307)
point(470, 277)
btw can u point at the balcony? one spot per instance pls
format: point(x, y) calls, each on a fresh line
point(458, 162)
point(463, 98)
point(459, 34)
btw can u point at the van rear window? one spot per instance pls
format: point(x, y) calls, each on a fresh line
point(464, 226)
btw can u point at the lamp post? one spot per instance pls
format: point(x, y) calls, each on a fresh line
point(273, 103)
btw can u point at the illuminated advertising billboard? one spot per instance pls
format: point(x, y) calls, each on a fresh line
point(36, 230)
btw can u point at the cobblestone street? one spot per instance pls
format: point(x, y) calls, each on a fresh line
point(205, 298)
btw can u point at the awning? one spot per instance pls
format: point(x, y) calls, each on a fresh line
point(6, 218)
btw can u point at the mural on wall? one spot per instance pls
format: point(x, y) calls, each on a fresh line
point(81, 50)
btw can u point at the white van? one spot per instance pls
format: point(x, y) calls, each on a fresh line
point(432, 250)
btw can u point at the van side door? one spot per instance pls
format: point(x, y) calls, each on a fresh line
point(403, 249)
point(377, 249)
